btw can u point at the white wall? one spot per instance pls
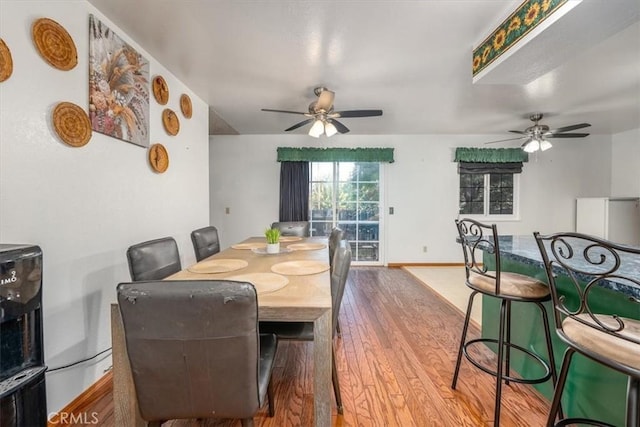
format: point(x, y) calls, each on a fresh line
point(625, 170)
point(85, 206)
point(422, 186)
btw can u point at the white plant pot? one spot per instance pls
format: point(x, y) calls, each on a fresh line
point(273, 248)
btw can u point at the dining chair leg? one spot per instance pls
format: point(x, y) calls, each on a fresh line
point(247, 422)
point(338, 331)
point(499, 371)
point(462, 339)
point(154, 423)
point(272, 402)
point(633, 402)
point(336, 383)
point(557, 393)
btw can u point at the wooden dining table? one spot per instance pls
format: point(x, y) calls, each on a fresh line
point(304, 297)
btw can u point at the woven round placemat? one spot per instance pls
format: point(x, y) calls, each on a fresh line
point(54, 44)
point(307, 246)
point(72, 124)
point(158, 158)
point(300, 268)
point(185, 106)
point(6, 62)
point(160, 90)
point(218, 265)
point(284, 239)
point(263, 282)
point(249, 245)
point(170, 121)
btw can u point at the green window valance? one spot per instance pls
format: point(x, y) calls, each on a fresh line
point(490, 155)
point(312, 154)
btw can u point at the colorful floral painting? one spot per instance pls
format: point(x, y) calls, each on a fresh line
point(526, 17)
point(118, 86)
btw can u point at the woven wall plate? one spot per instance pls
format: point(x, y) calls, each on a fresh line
point(54, 44)
point(160, 90)
point(170, 121)
point(185, 106)
point(158, 158)
point(6, 62)
point(72, 124)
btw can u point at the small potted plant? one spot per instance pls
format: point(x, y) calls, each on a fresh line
point(273, 240)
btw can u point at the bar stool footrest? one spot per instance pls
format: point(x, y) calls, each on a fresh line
point(569, 421)
point(506, 377)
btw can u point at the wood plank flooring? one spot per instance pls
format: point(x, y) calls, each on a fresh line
point(395, 362)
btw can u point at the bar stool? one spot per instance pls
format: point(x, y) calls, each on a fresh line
point(609, 339)
point(476, 238)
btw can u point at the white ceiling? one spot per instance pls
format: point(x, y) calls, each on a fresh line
point(410, 58)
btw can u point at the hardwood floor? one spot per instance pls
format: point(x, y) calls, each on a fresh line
point(395, 361)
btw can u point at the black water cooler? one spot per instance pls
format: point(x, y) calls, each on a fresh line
point(23, 400)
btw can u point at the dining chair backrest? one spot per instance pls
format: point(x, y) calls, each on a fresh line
point(478, 239)
point(334, 240)
point(193, 347)
point(570, 258)
point(293, 228)
point(154, 259)
point(205, 242)
point(339, 275)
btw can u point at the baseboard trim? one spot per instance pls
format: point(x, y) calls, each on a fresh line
point(80, 405)
point(424, 264)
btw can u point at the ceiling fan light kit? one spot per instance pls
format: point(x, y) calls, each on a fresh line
point(536, 136)
point(323, 117)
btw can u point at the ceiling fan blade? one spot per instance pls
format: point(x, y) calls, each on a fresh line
point(325, 100)
point(566, 135)
point(518, 131)
point(568, 128)
point(503, 140)
point(341, 128)
point(297, 125)
point(284, 111)
point(357, 113)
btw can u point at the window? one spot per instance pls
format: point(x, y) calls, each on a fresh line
point(490, 194)
point(347, 195)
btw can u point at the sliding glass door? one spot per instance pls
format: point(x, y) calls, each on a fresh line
point(347, 195)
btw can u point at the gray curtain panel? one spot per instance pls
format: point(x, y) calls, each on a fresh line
point(294, 191)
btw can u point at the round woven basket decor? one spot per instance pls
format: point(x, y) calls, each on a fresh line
point(158, 158)
point(6, 62)
point(185, 106)
point(54, 44)
point(160, 90)
point(170, 121)
point(72, 124)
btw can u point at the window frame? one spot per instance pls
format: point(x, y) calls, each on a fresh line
point(515, 216)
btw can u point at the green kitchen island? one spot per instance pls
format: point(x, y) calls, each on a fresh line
point(592, 390)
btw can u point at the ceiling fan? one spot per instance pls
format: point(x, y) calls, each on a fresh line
point(536, 136)
point(323, 116)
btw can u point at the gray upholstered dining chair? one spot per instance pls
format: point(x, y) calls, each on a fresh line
point(293, 228)
point(195, 350)
point(303, 331)
point(153, 259)
point(581, 269)
point(336, 236)
point(205, 242)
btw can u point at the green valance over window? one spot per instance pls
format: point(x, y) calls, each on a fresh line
point(491, 155)
point(311, 154)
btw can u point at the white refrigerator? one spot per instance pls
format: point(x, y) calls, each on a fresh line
point(612, 218)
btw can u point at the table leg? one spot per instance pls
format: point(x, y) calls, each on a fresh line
point(125, 404)
point(322, 369)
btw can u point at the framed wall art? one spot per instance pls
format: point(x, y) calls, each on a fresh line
point(118, 86)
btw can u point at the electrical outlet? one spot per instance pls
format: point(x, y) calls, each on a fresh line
point(424, 249)
point(227, 210)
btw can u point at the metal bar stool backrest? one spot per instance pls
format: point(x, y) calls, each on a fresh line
point(477, 238)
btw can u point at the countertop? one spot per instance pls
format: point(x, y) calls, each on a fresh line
point(525, 249)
